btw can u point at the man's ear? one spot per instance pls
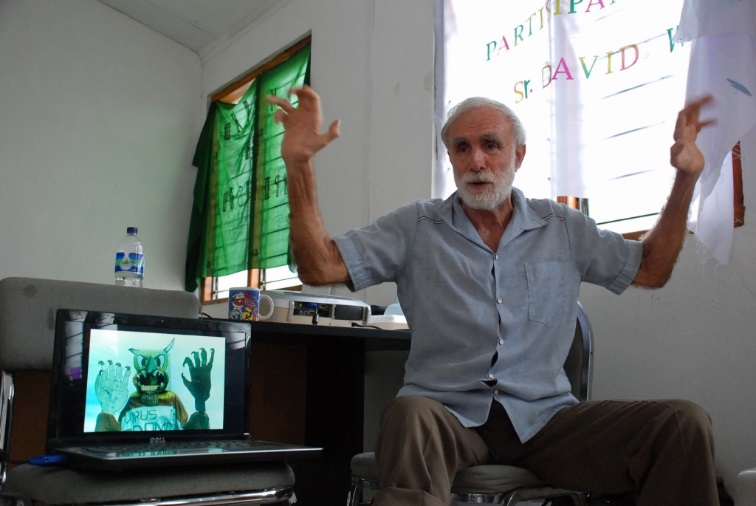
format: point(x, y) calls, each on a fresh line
point(519, 155)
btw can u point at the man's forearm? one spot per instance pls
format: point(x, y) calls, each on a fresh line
point(315, 253)
point(663, 243)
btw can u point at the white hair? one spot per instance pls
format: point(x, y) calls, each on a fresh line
point(475, 102)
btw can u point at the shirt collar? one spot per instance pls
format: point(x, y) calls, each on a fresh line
point(524, 216)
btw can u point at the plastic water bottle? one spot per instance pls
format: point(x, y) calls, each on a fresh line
point(129, 260)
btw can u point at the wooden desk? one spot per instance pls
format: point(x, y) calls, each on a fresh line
point(307, 386)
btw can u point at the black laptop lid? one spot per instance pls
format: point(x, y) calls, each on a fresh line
point(121, 378)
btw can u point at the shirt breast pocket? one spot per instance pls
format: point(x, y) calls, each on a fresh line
point(550, 285)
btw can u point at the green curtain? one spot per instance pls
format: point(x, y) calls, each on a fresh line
point(240, 216)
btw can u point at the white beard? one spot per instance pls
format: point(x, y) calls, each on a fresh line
point(490, 198)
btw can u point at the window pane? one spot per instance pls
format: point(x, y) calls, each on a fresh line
point(224, 283)
point(278, 278)
point(596, 84)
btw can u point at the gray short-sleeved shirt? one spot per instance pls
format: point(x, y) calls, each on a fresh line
point(490, 325)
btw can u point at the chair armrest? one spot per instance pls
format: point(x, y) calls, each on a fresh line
point(6, 415)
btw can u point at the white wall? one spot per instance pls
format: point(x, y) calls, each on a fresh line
point(695, 338)
point(98, 119)
point(79, 78)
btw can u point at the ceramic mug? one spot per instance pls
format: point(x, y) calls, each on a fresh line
point(244, 304)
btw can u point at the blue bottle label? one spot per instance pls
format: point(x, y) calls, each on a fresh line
point(133, 262)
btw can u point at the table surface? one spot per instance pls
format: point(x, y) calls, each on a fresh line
point(373, 338)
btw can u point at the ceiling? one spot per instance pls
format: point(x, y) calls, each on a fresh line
point(196, 24)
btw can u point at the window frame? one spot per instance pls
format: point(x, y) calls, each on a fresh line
point(231, 93)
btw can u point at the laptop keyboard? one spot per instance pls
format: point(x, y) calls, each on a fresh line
point(179, 446)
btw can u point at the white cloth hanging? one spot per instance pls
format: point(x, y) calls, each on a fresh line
point(723, 64)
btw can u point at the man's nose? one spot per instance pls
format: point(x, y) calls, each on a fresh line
point(477, 160)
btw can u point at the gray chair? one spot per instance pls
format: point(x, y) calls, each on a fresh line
point(499, 484)
point(27, 322)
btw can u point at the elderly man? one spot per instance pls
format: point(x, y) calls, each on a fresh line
point(489, 282)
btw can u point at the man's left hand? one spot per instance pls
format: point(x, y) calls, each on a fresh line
point(684, 154)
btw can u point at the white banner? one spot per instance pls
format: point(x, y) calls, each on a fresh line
point(722, 63)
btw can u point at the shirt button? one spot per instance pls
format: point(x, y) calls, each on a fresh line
point(496, 256)
point(499, 300)
point(501, 342)
point(496, 392)
point(490, 375)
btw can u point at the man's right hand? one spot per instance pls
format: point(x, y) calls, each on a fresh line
point(302, 137)
point(317, 257)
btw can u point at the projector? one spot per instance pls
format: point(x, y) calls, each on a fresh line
point(298, 307)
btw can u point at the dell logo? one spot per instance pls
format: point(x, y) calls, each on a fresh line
point(157, 440)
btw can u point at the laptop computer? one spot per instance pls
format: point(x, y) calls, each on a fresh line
point(135, 391)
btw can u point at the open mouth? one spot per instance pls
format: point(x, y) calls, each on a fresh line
point(478, 185)
point(478, 179)
point(152, 382)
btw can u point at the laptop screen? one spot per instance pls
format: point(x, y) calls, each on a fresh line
point(122, 378)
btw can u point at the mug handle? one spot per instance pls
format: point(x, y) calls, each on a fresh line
point(270, 303)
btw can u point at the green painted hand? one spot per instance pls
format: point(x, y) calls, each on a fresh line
point(199, 374)
point(111, 386)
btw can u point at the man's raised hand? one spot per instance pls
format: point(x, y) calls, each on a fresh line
point(684, 154)
point(302, 137)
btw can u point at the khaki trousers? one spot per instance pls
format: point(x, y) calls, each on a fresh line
point(661, 450)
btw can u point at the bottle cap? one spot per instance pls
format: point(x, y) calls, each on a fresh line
point(131, 230)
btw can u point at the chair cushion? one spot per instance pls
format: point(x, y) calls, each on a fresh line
point(58, 485)
point(483, 479)
point(365, 466)
point(492, 479)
